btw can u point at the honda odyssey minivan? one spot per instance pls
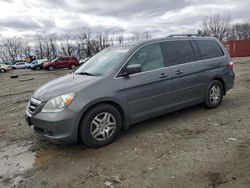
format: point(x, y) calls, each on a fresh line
point(129, 83)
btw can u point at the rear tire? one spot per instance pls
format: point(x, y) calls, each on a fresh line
point(214, 94)
point(51, 68)
point(37, 68)
point(100, 126)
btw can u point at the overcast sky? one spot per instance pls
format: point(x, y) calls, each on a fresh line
point(161, 17)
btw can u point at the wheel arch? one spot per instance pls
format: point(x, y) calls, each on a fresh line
point(222, 82)
point(125, 123)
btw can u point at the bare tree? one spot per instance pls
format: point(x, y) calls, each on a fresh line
point(240, 31)
point(121, 37)
point(24, 49)
point(11, 48)
point(136, 36)
point(147, 34)
point(216, 26)
point(53, 47)
point(67, 45)
point(39, 46)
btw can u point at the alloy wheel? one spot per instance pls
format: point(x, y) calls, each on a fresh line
point(103, 126)
point(215, 94)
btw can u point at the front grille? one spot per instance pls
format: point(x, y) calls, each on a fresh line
point(33, 105)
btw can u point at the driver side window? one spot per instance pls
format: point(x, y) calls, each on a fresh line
point(150, 57)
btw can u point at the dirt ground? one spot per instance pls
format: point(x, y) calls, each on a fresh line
point(194, 147)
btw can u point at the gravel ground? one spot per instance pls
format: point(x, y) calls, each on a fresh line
point(194, 147)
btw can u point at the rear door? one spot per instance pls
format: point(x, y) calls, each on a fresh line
point(148, 92)
point(188, 73)
point(67, 61)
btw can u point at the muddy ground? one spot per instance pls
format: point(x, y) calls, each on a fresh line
point(194, 147)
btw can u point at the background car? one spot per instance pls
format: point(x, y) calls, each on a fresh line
point(21, 65)
point(37, 64)
point(82, 61)
point(5, 67)
point(62, 62)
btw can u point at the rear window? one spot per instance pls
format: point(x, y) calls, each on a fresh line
point(179, 52)
point(209, 49)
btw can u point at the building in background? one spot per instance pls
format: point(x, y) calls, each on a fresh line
point(239, 48)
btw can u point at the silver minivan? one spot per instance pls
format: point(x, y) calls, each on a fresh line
point(129, 83)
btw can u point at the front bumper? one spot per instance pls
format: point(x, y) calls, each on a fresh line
point(58, 127)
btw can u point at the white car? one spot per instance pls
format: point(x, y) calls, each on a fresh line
point(5, 67)
point(20, 65)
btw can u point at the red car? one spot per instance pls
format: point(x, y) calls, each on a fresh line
point(61, 62)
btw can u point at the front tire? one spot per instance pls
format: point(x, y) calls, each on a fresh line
point(100, 126)
point(214, 94)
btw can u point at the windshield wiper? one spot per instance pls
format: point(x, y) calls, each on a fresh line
point(84, 73)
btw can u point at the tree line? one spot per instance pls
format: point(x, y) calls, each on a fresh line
point(81, 44)
point(222, 28)
point(86, 42)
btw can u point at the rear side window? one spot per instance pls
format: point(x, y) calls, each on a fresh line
point(179, 52)
point(209, 49)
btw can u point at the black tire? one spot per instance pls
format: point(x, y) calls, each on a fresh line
point(86, 126)
point(213, 101)
point(2, 70)
point(51, 68)
point(72, 66)
point(37, 68)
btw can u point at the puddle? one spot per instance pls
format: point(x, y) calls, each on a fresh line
point(15, 159)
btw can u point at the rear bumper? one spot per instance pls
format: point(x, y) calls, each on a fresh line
point(229, 80)
point(58, 127)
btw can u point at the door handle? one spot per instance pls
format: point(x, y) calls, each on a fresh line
point(178, 72)
point(164, 75)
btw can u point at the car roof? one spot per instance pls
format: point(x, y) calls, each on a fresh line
point(169, 38)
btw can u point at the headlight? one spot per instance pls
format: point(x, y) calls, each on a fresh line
point(59, 103)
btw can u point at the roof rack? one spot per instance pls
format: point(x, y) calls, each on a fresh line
point(188, 35)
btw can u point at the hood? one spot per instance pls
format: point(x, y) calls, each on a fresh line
point(62, 85)
point(47, 62)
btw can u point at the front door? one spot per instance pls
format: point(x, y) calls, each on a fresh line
point(148, 92)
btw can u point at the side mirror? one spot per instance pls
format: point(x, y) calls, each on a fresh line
point(132, 69)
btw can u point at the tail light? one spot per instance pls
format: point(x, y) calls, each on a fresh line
point(231, 65)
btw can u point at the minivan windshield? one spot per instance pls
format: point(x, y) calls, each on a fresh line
point(103, 62)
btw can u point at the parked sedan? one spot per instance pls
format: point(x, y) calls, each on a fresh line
point(21, 65)
point(4, 67)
